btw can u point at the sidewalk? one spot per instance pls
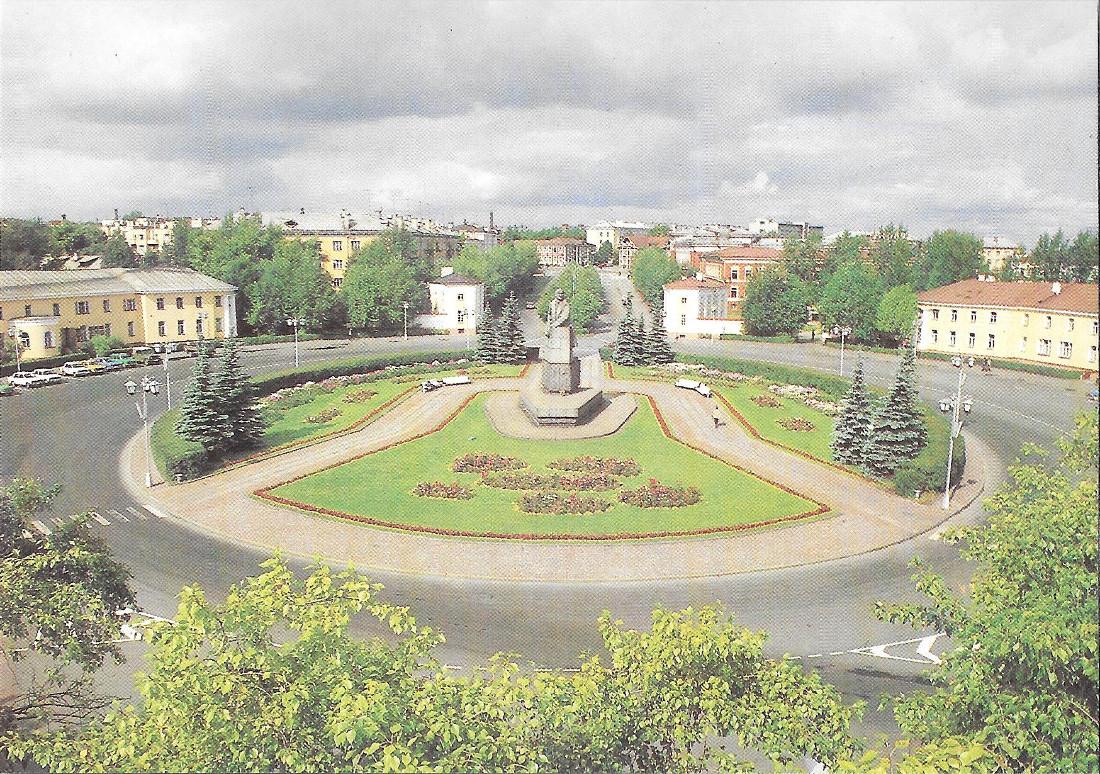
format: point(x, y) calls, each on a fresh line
point(866, 516)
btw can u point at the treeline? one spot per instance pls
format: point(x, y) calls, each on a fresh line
point(30, 245)
point(519, 233)
point(652, 269)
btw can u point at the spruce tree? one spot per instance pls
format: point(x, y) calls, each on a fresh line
point(201, 417)
point(513, 345)
point(624, 337)
point(244, 424)
point(642, 355)
point(853, 427)
point(487, 350)
point(660, 348)
point(898, 433)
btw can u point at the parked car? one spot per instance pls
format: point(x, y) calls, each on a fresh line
point(108, 364)
point(47, 376)
point(75, 368)
point(123, 360)
point(26, 379)
point(93, 366)
point(531, 305)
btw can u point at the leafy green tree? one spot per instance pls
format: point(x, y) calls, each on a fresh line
point(1054, 258)
point(949, 256)
point(68, 237)
point(522, 233)
point(378, 283)
point(804, 259)
point(853, 427)
point(244, 425)
point(23, 243)
point(1022, 672)
point(605, 254)
point(203, 418)
point(1084, 258)
point(583, 290)
point(898, 433)
point(503, 269)
point(118, 254)
point(58, 598)
point(101, 345)
point(897, 313)
point(292, 285)
point(851, 298)
point(848, 248)
point(893, 257)
point(775, 303)
point(661, 229)
point(651, 270)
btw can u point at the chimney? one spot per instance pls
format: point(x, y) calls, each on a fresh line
point(116, 213)
point(490, 220)
point(1056, 288)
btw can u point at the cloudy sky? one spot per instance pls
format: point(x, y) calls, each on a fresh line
point(977, 115)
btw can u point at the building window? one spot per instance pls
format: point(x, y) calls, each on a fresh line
point(218, 303)
point(733, 294)
point(748, 271)
point(338, 244)
point(160, 306)
point(218, 327)
point(83, 307)
point(1047, 324)
point(106, 305)
point(56, 310)
point(683, 324)
point(27, 310)
point(1069, 325)
point(1092, 356)
point(1095, 331)
point(160, 332)
point(936, 316)
point(1044, 346)
point(338, 281)
point(971, 339)
point(1027, 319)
point(973, 318)
point(950, 342)
point(47, 342)
point(462, 295)
point(198, 305)
point(935, 338)
point(2, 312)
point(179, 302)
point(180, 328)
point(339, 264)
point(684, 300)
point(1023, 344)
point(462, 319)
point(198, 326)
point(954, 318)
point(734, 275)
point(129, 305)
point(130, 333)
point(990, 343)
point(355, 246)
point(1066, 349)
point(992, 321)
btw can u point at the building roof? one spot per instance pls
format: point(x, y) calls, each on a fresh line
point(694, 283)
point(1073, 296)
point(745, 251)
point(996, 242)
point(560, 240)
point(454, 279)
point(322, 222)
point(641, 240)
point(29, 285)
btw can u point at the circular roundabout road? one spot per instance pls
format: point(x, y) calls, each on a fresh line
point(821, 611)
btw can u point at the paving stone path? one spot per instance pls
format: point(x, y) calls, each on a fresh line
point(865, 516)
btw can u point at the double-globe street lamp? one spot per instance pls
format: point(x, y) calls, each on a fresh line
point(148, 386)
point(405, 307)
point(956, 423)
point(843, 333)
point(17, 341)
point(295, 323)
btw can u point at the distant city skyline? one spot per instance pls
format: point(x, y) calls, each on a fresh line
point(980, 116)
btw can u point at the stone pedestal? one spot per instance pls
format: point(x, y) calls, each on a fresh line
point(561, 370)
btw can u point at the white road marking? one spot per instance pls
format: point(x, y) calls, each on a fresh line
point(156, 512)
point(100, 519)
point(117, 514)
point(136, 512)
point(924, 650)
point(41, 527)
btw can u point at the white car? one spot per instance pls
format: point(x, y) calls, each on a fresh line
point(76, 368)
point(48, 376)
point(27, 379)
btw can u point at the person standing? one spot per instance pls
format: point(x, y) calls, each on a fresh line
point(716, 415)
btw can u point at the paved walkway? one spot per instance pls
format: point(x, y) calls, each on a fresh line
point(866, 517)
point(508, 418)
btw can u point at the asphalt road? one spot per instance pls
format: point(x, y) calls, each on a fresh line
point(72, 433)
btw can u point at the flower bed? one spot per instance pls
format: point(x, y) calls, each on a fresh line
point(606, 465)
point(798, 424)
point(585, 482)
point(443, 490)
point(658, 495)
point(765, 401)
point(553, 502)
point(325, 416)
point(359, 396)
point(483, 462)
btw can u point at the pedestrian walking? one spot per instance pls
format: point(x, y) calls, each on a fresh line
point(716, 415)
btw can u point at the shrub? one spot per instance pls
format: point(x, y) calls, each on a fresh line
point(766, 401)
point(325, 416)
point(522, 480)
point(483, 462)
point(556, 503)
point(833, 386)
point(269, 383)
point(798, 424)
point(607, 465)
point(585, 482)
point(658, 495)
point(440, 489)
point(928, 471)
point(359, 396)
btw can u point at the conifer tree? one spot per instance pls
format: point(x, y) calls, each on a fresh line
point(487, 350)
point(513, 345)
point(898, 433)
point(244, 425)
point(626, 349)
point(658, 345)
point(202, 419)
point(853, 427)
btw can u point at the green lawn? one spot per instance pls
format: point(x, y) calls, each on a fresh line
point(766, 419)
point(380, 485)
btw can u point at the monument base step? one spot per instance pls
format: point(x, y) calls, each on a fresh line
point(573, 408)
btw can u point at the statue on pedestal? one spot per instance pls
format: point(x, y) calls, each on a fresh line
point(561, 368)
point(558, 315)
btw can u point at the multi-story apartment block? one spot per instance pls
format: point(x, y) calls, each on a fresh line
point(734, 267)
point(999, 252)
point(696, 308)
point(151, 234)
point(54, 312)
point(630, 245)
point(1039, 322)
point(613, 232)
point(341, 237)
point(559, 251)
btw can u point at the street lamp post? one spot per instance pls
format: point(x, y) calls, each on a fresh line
point(956, 425)
point(14, 336)
point(470, 330)
point(294, 322)
point(167, 379)
point(405, 307)
point(148, 386)
point(843, 333)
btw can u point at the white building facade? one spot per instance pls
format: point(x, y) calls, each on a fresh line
point(455, 303)
point(696, 308)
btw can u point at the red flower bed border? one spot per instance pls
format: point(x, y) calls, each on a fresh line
point(265, 494)
point(756, 434)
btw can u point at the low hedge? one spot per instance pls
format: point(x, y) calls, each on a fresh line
point(833, 386)
point(277, 380)
point(175, 456)
point(781, 339)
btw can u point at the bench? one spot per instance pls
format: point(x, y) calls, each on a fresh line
point(698, 387)
point(450, 380)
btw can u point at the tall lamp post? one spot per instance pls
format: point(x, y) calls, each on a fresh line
point(13, 334)
point(294, 322)
point(167, 379)
point(148, 386)
point(843, 333)
point(405, 307)
point(470, 330)
point(956, 424)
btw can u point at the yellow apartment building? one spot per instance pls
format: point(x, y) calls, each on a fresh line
point(52, 313)
point(1055, 324)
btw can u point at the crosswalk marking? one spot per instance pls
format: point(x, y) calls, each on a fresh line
point(136, 512)
point(41, 527)
point(117, 514)
point(100, 519)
